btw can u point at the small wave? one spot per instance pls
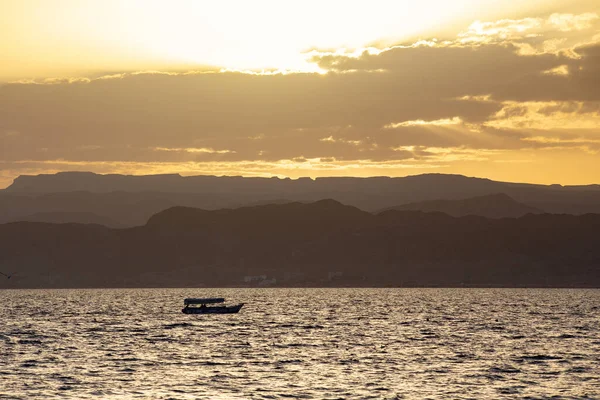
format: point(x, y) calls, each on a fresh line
point(178, 325)
point(577, 370)
point(212, 363)
point(497, 328)
point(583, 328)
point(221, 377)
point(295, 396)
point(416, 339)
point(550, 373)
point(95, 329)
point(29, 364)
point(566, 336)
point(313, 327)
point(289, 362)
point(439, 370)
point(287, 326)
point(34, 342)
point(541, 357)
point(428, 334)
point(463, 355)
point(397, 397)
point(159, 339)
point(495, 377)
point(504, 370)
point(294, 326)
point(295, 345)
point(381, 389)
point(7, 339)
point(24, 332)
point(510, 390)
point(265, 396)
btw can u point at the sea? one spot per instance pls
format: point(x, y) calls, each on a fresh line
point(301, 343)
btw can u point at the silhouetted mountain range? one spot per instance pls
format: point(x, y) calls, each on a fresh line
point(315, 244)
point(497, 205)
point(131, 200)
point(65, 217)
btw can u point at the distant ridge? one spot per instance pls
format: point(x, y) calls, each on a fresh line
point(451, 184)
point(69, 217)
point(497, 205)
point(131, 200)
point(91, 182)
point(425, 184)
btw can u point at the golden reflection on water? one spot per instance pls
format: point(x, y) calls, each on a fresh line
point(301, 343)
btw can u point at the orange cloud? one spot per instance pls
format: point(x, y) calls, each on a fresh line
point(193, 150)
point(420, 122)
point(428, 105)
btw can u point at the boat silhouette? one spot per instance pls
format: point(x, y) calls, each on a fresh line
point(199, 306)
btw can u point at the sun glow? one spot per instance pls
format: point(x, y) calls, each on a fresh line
point(83, 36)
point(272, 34)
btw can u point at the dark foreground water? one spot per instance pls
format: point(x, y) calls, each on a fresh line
point(301, 343)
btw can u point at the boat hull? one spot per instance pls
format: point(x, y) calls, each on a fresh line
point(213, 310)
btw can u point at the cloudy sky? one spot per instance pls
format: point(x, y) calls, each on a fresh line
point(498, 89)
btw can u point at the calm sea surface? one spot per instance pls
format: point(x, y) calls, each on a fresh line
point(301, 343)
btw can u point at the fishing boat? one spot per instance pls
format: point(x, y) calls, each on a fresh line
point(199, 306)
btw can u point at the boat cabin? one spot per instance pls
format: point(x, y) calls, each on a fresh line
point(202, 301)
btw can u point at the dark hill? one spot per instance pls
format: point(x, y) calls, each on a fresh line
point(131, 200)
point(497, 205)
point(317, 244)
point(323, 214)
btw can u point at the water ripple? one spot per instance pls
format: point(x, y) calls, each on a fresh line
point(301, 343)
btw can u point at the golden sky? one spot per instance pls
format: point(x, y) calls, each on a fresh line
point(508, 90)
